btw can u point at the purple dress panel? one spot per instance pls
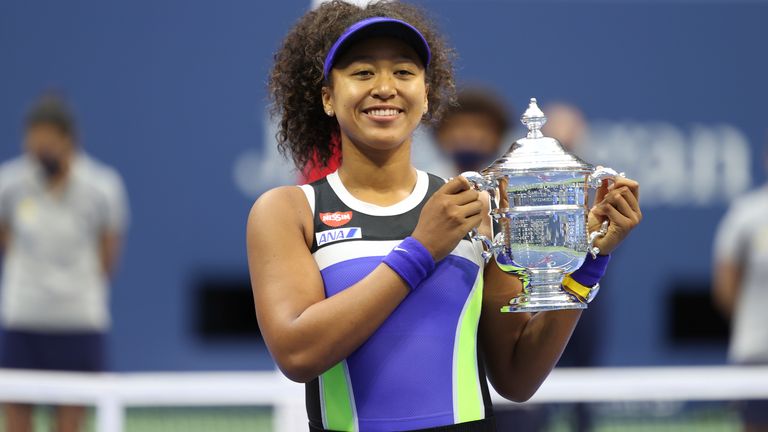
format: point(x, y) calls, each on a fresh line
point(402, 376)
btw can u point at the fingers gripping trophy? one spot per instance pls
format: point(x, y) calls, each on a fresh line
point(540, 194)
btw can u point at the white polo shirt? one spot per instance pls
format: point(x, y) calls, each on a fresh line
point(53, 279)
point(742, 237)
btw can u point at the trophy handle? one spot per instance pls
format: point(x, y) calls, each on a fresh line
point(487, 244)
point(595, 180)
point(602, 173)
point(480, 183)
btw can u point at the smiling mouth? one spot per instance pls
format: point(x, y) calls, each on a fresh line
point(382, 112)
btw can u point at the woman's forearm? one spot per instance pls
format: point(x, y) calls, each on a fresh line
point(330, 330)
point(520, 349)
point(539, 348)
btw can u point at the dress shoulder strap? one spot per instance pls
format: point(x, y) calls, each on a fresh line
point(309, 193)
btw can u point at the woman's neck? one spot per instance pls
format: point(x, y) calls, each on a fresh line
point(380, 177)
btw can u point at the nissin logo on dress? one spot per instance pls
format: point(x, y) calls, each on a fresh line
point(331, 236)
point(336, 219)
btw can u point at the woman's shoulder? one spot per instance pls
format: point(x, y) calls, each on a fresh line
point(280, 204)
point(281, 196)
point(278, 213)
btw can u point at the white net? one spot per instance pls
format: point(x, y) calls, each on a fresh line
point(611, 399)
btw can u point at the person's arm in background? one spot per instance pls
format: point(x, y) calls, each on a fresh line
point(115, 224)
point(4, 214)
point(3, 239)
point(110, 244)
point(726, 282)
point(728, 264)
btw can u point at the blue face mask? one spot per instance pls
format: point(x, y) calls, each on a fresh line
point(471, 160)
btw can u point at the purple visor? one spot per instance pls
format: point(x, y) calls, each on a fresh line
point(377, 27)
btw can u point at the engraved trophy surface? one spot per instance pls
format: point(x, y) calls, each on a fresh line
point(541, 193)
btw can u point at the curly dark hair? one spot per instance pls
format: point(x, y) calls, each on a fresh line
point(305, 132)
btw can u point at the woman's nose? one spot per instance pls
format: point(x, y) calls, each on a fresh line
point(384, 87)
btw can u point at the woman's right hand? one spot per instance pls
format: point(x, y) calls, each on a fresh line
point(448, 216)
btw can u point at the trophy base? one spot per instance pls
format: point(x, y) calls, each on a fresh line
point(531, 302)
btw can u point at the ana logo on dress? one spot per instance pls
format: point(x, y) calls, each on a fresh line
point(336, 219)
point(338, 234)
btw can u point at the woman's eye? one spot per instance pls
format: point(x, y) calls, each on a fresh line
point(404, 72)
point(363, 73)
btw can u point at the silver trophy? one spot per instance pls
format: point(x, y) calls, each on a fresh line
point(541, 194)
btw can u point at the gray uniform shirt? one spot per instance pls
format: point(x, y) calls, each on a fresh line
point(742, 238)
point(53, 278)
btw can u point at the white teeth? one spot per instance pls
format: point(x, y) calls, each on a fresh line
point(383, 112)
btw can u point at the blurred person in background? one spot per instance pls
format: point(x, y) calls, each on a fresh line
point(740, 286)
point(567, 124)
point(62, 218)
point(472, 132)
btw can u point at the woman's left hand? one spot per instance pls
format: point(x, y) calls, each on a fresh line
point(619, 204)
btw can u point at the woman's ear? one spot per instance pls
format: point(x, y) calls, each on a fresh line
point(327, 101)
point(426, 99)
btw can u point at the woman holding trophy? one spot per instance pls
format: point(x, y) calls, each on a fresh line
point(367, 286)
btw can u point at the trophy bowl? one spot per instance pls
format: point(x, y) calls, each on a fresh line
point(540, 204)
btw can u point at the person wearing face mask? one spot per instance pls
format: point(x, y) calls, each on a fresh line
point(472, 132)
point(62, 217)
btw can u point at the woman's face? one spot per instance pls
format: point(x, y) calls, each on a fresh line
point(377, 93)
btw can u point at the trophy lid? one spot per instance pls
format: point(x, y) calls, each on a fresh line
point(536, 153)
